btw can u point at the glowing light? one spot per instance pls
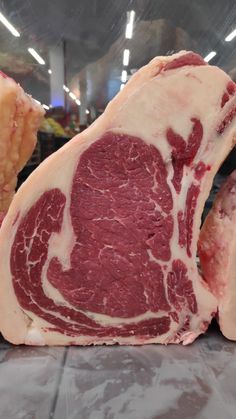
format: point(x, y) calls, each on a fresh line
point(72, 96)
point(124, 76)
point(130, 25)
point(209, 56)
point(126, 55)
point(231, 36)
point(9, 26)
point(36, 56)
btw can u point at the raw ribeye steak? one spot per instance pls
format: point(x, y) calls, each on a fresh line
point(99, 245)
point(217, 252)
point(20, 118)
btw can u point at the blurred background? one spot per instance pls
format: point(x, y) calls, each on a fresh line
point(73, 56)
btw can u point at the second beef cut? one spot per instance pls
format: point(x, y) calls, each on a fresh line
point(99, 245)
point(217, 250)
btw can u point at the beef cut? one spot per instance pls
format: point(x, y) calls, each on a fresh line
point(99, 245)
point(217, 251)
point(20, 118)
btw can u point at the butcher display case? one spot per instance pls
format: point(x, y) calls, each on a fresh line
point(73, 57)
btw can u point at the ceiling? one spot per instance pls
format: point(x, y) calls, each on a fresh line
point(93, 35)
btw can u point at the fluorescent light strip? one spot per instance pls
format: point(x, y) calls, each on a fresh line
point(49, 71)
point(129, 31)
point(72, 96)
point(131, 16)
point(122, 86)
point(124, 76)
point(36, 56)
point(130, 25)
point(66, 88)
point(9, 26)
point(231, 36)
point(209, 56)
point(126, 55)
point(78, 102)
point(46, 107)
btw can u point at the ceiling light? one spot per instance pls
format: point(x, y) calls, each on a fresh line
point(46, 107)
point(9, 26)
point(131, 16)
point(209, 56)
point(126, 55)
point(72, 96)
point(49, 71)
point(36, 56)
point(130, 24)
point(122, 86)
point(124, 76)
point(231, 36)
point(66, 89)
point(78, 102)
point(129, 31)
point(87, 111)
point(37, 101)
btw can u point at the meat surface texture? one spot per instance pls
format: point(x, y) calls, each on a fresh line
point(217, 252)
point(99, 245)
point(20, 118)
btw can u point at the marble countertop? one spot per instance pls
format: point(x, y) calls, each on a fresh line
point(149, 382)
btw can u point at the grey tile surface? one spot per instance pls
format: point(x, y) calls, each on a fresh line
point(151, 382)
point(29, 379)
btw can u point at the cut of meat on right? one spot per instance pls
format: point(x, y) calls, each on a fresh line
point(217, 252)
point(99, 244)
point(20, 118)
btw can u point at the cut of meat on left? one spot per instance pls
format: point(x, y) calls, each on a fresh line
point(20, 118)
point(217, 252)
